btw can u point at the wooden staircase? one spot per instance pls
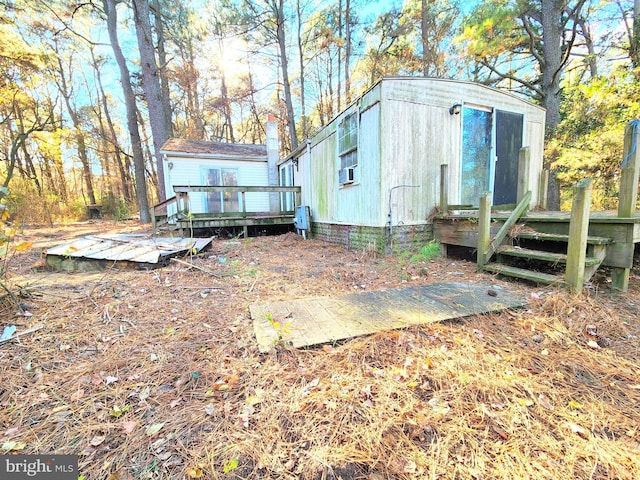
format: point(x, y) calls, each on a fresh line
point(538, 256)
point(541, 257)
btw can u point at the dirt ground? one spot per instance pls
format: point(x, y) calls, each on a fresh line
point(156, 373)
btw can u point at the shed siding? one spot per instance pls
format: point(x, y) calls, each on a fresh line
point(190, 172)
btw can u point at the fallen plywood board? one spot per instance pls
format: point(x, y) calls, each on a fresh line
point(313, 321)
point(139, 249)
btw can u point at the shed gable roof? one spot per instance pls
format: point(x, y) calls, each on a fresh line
point(177, 146)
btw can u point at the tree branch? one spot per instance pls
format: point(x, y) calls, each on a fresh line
point(508, 76)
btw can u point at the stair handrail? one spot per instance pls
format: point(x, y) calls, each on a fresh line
point(164, 203)
point(487, 246)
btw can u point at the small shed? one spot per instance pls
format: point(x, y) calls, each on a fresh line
point(200, 163)
point(373, 174)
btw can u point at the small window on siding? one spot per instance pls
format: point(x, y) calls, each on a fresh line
point(348, 148)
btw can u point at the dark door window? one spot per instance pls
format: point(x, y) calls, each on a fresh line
point(508, 145)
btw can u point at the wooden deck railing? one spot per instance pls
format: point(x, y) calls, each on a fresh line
point(184, 212)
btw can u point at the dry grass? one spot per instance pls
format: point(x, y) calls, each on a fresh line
point(551, 391)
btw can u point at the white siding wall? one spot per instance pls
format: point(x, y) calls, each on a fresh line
point(190, 172)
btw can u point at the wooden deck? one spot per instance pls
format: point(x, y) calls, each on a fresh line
point(314, 321)
point(184, 218)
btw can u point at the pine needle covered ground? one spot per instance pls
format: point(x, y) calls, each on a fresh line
point(155, 374)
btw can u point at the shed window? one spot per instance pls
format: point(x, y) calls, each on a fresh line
point(348, 147)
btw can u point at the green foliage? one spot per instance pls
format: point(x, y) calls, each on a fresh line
point(282, 330)
point(115, 207)
point(427, 253)
point(589, 139)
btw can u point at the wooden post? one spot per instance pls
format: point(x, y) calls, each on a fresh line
point(484, 228)
point(543, 189)
point(444, 188)
point(524, 165)
point(628, 198)
point(245, 229)
point(154, 227)
point(578, 231)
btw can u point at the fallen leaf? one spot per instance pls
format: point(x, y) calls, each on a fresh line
point(109, 380)
point(545, 402)
point(578, 430)
point(634, 387)
point(128, 427)
point(153, 429)
point(13, 446)
point(574, 404)
point(117, 411)
point(11, 431)
point(195, 472)
point(77, 395)
point(500, 432)
point(593, 344)
point(230, 465)
point(410, 467)
point(525, 402)
point(97, 440)
point(310, 386)
point(544, 352)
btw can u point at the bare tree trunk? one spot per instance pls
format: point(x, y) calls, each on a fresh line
point(423, 34)
point(339, 105)
point(635, 41)
point(79, 135)
point(347, 52)
point(151, 81)
point(162, 67)
point(278, 12)
point(303, 112)
point(130, 104)
point(226, 106)
point(552, 52)
point(111, 135)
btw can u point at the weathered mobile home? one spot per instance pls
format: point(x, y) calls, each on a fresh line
point(373, 173)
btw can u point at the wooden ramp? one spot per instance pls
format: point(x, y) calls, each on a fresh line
point(314, 321)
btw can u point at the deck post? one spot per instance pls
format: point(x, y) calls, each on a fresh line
point(245, 229)
point(444, 188)
point(524, 165)
point(578, 231)
point(484, 228)
point(628, 196)
point(543, 189)
point(154, 227)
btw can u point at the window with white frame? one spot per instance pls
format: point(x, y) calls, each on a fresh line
point(348, 148)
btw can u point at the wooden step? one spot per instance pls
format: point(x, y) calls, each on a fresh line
point(530, 275)
point(554, 237)
point(542, 255)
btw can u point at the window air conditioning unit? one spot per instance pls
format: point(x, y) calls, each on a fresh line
point(347, 175)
